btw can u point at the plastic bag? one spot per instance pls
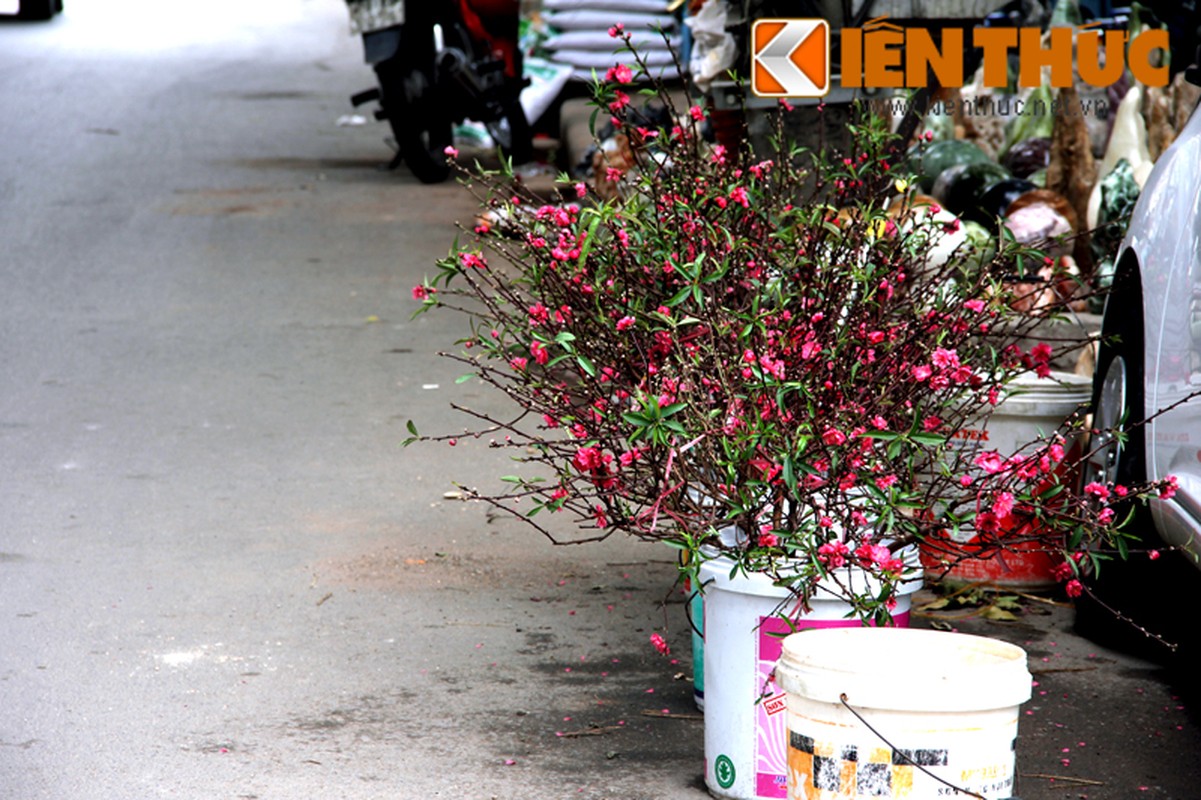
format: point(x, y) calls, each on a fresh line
point(713, 48)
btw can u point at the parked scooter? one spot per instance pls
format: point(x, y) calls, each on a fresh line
point(437, 63)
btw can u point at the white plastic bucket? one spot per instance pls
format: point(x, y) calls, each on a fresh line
point(939, 706)
point(1033, 407)
point(745, 732)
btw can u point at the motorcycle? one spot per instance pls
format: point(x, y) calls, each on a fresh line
point(438, 63)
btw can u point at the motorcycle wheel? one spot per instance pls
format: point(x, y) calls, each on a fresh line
point(423, 130)
point(512, 133)
point(419, 118)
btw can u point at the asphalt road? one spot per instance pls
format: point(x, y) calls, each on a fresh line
point(220, 574)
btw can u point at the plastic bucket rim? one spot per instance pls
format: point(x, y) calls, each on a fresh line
point(999, 679)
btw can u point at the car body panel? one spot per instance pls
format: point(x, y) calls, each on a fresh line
point(1164, 238)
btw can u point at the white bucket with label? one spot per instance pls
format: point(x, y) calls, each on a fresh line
point(901, 713)
point(745, 732)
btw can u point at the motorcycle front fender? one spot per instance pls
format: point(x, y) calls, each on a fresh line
point(381, 45)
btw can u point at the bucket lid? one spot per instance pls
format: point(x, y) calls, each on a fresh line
point(904, 669)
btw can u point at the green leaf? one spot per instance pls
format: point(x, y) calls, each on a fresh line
point(465, 378)
point(789, 473)
point(589, 238)
point(412, 428)
point(674, 408)
point(678, 297)
point(586, 365)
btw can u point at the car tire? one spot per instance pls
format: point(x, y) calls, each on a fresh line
point(39, 10)
point(1133, 604)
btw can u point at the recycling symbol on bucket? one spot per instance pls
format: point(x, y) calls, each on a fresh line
point(723, 770)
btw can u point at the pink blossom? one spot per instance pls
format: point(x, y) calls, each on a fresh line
point(617, 30)
point(620, 101)
point(833, 554)
point(1097, 490)
point(975, 306)
point(986, 522)
point(587, 459)
point(773, 366)
point(921, 373)
point(697, 113)
point(519, 363)
point(621, 73)
point(625, 323)
point(833, 437)
point(450, 151)
point(540, 352)
point(885, 481)
point(991, 462)
point(870, 555)
point(1074, 588)
point(1153, 555)
point(420, 292)
point(660, 644)
point(1003, 504)
point(473, 260)
point(1169, 488)
point(944, 358)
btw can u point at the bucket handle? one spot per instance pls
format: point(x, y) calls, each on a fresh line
point(958, 789)
point(688, 613)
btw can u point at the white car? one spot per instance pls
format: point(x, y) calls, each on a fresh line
point(1147, 380)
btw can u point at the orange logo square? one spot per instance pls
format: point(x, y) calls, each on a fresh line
point(790, 58)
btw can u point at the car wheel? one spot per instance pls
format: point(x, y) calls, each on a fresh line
point(38, 9)
point(1129, 598)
